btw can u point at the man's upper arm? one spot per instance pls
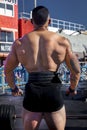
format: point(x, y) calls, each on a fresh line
point(11, 60)
point(71, 59)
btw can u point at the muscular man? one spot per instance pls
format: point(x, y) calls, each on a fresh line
point(41, 52)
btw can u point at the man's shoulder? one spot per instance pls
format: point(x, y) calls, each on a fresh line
point(62, 39)
point(57, 35)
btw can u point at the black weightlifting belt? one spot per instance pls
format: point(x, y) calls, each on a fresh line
point(47, 77)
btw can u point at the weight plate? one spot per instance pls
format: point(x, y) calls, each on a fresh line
point(6, 117)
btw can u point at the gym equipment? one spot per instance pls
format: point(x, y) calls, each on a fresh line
point(7, 112)
point(8, 117)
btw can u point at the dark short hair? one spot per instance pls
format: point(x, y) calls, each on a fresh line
point(40, 15)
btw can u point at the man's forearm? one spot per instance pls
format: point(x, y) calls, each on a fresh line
point(74, 80)
point(10, 79)
point(75, 71)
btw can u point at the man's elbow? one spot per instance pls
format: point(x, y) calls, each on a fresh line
point(77, 74)
point(78, 71)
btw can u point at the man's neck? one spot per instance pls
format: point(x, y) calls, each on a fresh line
point(41, 28)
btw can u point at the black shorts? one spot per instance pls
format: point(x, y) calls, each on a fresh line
point(43, 93)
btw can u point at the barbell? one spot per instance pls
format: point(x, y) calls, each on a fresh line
point(8, 116)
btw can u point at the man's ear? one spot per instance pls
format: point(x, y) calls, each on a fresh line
point(49, 21)
point(31, 21)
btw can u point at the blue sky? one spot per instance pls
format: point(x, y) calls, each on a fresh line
point(67, 10)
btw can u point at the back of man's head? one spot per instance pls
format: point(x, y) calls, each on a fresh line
point(40, 15)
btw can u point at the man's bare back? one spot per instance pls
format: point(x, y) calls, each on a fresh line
point(41, 50)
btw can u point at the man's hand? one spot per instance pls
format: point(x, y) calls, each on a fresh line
point(17, 92)
point(70, 91)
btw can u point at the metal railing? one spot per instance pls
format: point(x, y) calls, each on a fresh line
point(66, 25)
point(56, 23)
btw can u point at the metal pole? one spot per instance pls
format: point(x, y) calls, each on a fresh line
point(23, 5)
point(35, 3)
point(80, 116)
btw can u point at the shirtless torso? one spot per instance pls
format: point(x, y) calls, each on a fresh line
point(42, 50)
